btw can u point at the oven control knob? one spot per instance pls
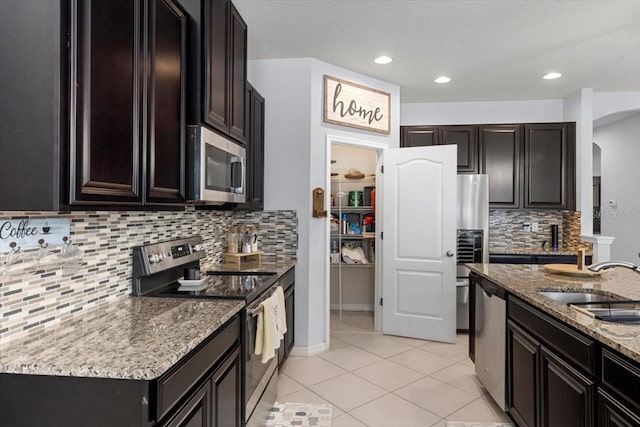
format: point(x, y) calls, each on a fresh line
point(198, 248)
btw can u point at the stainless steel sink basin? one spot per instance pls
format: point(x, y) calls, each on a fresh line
point(575, 297)
point(611, 311)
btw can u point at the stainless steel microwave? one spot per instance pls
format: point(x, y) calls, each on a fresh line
point(215, 168)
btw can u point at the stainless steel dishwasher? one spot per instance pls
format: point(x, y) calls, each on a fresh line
point(490, 339)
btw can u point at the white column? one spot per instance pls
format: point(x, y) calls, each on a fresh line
point(601, 247)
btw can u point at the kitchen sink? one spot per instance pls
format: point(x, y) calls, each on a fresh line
point(612, 311)
point(575, 297)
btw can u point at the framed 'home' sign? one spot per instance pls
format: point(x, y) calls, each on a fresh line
point(357, 106)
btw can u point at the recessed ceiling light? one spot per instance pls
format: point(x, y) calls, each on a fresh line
point(382, 60)
point(442, 79)
point(552, 76)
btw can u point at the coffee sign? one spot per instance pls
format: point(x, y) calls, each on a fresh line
point(27, 233)
point(357, 106)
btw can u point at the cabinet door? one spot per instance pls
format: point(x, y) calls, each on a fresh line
point(166, 98)
point(238, 74)
point(566, 395)
point(549, 171)
point(225, 397)
point(255, 151)
point(289, 302)
point(106, 94)
point(216, 76)
point(195, 413)
point(612, 413)
point(466, 138)
point(500, 151)
point(522, 371)
point(418, 136)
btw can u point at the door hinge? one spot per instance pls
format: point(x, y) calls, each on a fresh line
point(380, 301)
point(382, 169)
point(382, 235)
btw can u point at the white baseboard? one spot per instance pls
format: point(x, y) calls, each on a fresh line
point(353, 307)
point(308, 351)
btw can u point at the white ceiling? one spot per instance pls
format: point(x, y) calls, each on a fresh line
point(492, 50)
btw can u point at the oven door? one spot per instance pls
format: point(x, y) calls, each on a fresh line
point(257, 374)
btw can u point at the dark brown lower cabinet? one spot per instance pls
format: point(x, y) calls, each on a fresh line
point(567, 396)
point(522, 372)
point(203, 389)
point(613, 413)
point(225, 395)
point(195, 412)
point(217, 401)
point(288, 284)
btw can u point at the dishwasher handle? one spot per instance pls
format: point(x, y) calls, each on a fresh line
point(491, 289)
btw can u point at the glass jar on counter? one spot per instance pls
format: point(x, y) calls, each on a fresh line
point(232, 240)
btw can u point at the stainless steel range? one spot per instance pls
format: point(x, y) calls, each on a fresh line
point(158, 270)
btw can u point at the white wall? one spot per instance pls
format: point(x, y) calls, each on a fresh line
point(451, 113)
point(606, 103)
point(579, 108)
point(295, 163)
point(620, 156)
point(285, 86)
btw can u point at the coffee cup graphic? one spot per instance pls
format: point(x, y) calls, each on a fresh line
point(46, 228)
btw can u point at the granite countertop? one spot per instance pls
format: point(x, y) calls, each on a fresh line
point(139, 338)
point(533, 251)
point(279, 267)
point(525, 281)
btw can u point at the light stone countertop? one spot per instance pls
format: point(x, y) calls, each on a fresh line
point(138, 338)
point(532, 251)
point(267, 266)
point(524, 281)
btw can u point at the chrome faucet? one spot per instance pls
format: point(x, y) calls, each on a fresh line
point(609, 264)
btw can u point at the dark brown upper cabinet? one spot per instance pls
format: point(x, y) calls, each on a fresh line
point(120, 74)
point(225, 72)
point(466, 139)
point(106, 84)
point(166, 100)
point(418, 136)
point(33, 105)
point(500, 158)
point(549, 166)
point(254, 179)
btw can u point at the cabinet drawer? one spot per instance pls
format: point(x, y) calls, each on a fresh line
point(558, 336)
point(178, 381)
point(621, 376)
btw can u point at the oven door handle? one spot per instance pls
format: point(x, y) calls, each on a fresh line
point(256, 308)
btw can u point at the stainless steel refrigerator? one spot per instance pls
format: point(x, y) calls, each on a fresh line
point(472, 237)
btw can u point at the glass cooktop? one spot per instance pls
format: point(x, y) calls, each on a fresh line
point(234, 286)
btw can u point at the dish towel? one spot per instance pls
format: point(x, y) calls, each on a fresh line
point(281, 313)
point(266, 331)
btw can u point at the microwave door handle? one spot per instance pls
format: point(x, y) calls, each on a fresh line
point(237, 162)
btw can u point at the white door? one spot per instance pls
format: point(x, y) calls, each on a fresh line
point(419, 242)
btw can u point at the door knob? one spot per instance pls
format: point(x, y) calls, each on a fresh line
point(450, 254)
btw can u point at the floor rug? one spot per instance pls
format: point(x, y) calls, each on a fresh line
point(475, 424)
point(299, 414)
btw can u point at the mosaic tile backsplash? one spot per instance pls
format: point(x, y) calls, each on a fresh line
point(35, 294)
point(506, 229)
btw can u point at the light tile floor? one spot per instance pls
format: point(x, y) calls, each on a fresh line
point(381, 380)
